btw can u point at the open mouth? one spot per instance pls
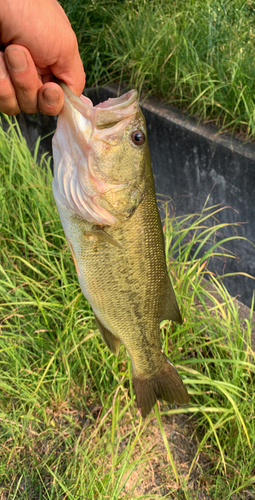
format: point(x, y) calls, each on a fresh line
point(107, 113)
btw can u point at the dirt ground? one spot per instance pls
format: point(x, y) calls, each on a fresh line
point(157, 477)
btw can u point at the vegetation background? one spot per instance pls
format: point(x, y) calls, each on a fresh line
point(196, 54)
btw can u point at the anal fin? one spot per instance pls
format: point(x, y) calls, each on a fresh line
point(111, 341)
point(171, 309)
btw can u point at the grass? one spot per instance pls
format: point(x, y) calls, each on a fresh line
point(197, 55)
point(68, 423)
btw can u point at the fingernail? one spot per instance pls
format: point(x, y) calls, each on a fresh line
point(3, 70)
point(16, 59)
point(51, 96)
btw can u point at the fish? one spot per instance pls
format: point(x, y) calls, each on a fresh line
point(104, 191)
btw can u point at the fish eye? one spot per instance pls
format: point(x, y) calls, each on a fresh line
point(138, 137)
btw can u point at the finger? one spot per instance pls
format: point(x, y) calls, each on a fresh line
point(69, 67)
point(50, 99)
point(24, 77)
point(8, 100)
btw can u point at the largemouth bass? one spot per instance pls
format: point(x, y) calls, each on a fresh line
point(104, 191)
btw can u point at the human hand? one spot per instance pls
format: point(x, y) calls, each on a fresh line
point(37, 43)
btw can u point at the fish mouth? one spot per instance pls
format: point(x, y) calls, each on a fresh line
point(119, 102)
point(106, 114)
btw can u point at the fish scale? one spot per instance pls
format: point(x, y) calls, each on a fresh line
point(120, 264)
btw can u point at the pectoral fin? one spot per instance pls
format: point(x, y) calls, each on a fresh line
point(111, 341)
point(98, 232)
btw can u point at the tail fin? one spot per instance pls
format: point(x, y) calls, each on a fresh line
point(166, 384)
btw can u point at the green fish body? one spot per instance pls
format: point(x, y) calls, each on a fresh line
point(104, 191)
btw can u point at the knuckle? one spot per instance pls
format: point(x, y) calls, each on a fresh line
point(27, 100)
point(13, 112)
point(8, 103)
point(10, 109)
